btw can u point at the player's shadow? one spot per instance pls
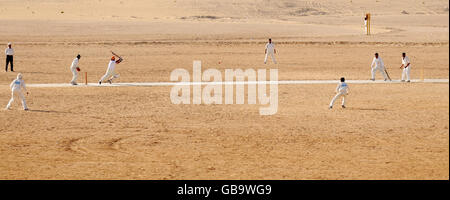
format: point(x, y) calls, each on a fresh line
point(38, 72)
point(371, 109)
point(47, 111)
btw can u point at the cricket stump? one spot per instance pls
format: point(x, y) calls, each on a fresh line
point(422, 76)
point(85, 78)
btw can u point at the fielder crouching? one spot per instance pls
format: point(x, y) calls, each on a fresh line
point(16, 90)
point(342, 91)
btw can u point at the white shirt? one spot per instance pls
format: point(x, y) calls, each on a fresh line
point(9, 51)
point(74, 64)
point(342, 87)
point(378, 62)
point(17, 84)
point(270, 47)
point(405, 61)
point(111, 65)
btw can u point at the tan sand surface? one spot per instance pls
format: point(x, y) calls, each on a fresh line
point(388, 131)
point(151, 62)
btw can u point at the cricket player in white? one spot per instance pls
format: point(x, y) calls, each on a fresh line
point(365, 25)
point(378, 65)
point(74, 68)
point(270, 50)
point(406, 66)
point(110, 73)
point(16, 90)
point(342, 91)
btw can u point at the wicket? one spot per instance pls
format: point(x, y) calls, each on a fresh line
point(85, 78)
point(422, 76)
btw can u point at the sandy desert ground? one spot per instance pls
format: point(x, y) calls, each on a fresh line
point(388, 131)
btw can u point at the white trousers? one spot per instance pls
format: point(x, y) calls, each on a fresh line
point(109, 74)
point(340, 94)
point(272, 55)
point(75, 75)
point(381, 69)
point(19, 94)
point(406, 72)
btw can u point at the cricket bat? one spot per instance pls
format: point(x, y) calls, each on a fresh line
point(389, 77)
point(120, 58)
point(116, 55)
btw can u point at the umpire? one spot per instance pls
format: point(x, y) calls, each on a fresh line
point(9, 57)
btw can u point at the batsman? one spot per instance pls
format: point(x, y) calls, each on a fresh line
point(378, 65)
point(110, 74)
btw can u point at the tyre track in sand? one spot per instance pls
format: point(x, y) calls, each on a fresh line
point(104, 145)
point(75, 145)
point(116, 144)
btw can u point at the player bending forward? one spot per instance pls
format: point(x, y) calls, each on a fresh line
point(378, 65)
point(110, 73)
point(16, 90)
point(75, 69)
point(342, 90)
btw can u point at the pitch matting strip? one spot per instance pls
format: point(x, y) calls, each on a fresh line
point(286, 82)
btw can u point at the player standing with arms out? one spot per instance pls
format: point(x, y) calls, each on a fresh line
point(16, 90)
point(75, 69)
point(270, 50)
point(9, 57)
point(110, 73)
point(406, 66)
point(342, 91)
point(379, 66)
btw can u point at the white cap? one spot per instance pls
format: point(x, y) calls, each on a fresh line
point(9, 43)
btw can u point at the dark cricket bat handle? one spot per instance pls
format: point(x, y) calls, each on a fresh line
point(116, 54)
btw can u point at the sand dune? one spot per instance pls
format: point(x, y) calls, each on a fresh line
point(234, 9)
point(425, 20)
